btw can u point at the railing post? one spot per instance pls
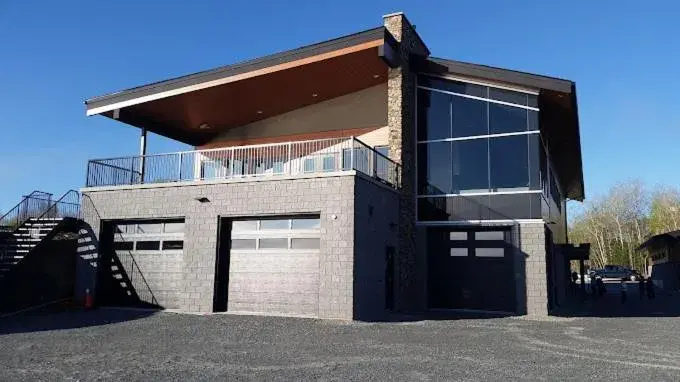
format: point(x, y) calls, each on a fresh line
point(179, 168)
point(351, 156)
point(375, 163)
point(132, 170)
point(231, 163)
point(290, 158)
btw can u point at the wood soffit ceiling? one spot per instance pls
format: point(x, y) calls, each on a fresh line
point(183, 117)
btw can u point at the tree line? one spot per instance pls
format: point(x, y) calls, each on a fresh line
point(616, 223)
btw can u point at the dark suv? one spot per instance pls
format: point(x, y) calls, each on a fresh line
point(618, 272)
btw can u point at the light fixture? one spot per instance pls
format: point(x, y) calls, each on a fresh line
point(259, 112)
point(314, 95)
point(376, 75)
point(204, 126)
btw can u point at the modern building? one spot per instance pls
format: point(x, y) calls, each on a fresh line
point(664, 251)
point(338, 180)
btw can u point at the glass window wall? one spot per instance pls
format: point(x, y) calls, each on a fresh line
point(477, 141)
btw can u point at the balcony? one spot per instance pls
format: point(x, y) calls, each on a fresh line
point(271, 161)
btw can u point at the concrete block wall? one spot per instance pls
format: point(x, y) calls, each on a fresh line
point(376, 211)
point(331, 197)
point(530, 269)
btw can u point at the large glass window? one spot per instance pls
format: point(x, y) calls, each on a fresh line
point(469, 117)
point(470, 166)
point(509, 163)
point(458, 87)
point(434, 115)
point(506, 119)
point(434, 173)
point(476, 139)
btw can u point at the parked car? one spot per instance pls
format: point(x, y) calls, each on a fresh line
point(617, 272)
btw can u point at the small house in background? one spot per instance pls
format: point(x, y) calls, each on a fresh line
point(664, 250)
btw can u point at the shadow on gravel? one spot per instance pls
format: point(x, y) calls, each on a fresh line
point(442, 316)
point(51, 320)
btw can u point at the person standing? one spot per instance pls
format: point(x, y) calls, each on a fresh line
point(641, 285)
point(601, 289)
point(624, 291)
point(651, 294)
point(593, 286)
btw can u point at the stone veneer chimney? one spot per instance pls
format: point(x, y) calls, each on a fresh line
point(401, 113)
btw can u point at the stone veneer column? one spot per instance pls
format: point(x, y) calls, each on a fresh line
point(530, 268)
point(401, 111)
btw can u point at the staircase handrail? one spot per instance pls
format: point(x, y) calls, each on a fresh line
point(74, 206)
point(16, 210)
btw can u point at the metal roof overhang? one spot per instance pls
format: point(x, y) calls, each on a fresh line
point(238, 94)
point(558, 118)
point(663, 239)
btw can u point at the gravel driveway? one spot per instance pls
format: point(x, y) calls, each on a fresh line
point(128, 345)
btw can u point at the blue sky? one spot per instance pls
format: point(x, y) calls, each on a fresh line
point(623, 55)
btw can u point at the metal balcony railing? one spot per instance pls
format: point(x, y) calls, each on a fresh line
point(269, 160)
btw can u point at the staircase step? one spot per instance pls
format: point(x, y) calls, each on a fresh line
point(37, 228)
point(17, 250)
point(26, 240)
point(30, 234)
point(10, 257)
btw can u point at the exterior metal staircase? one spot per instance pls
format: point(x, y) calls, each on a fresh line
point(35, 220)
point(24, 239)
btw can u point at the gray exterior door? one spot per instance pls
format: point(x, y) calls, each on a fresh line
point(470, 269)
point(274, 266)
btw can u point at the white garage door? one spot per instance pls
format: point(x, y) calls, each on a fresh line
point(274, 266)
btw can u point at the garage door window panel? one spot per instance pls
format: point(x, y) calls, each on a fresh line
point(273, 243)
point(306, 223)
point(149, 228)
point(489, 252)
point(274, 224)
point(123, 245)
point(173, 228)
point(173, 245)
point(147, 245)
point(244, 225)
point(305, 243)
point(243, 244)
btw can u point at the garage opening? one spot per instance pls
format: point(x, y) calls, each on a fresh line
point(471, 268)
point(141, 263)
point(268, 265)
